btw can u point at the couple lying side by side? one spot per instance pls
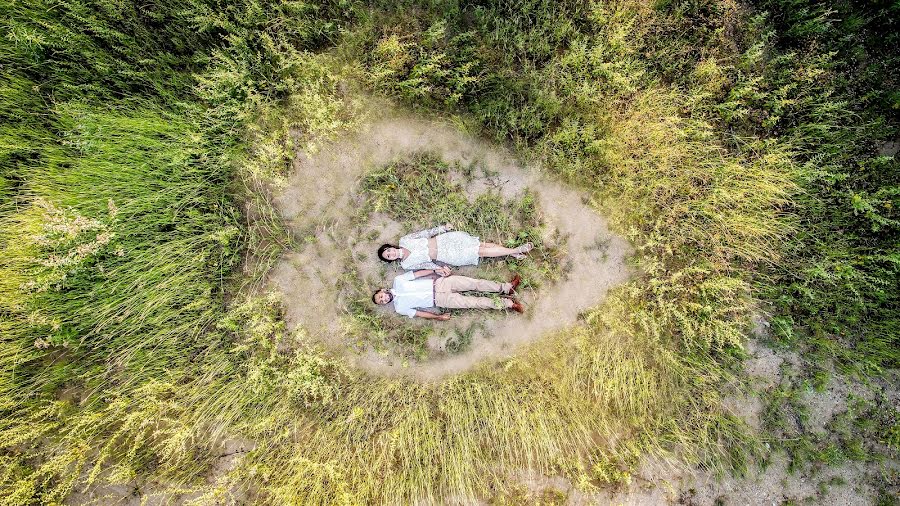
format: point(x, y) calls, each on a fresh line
point(430, 285)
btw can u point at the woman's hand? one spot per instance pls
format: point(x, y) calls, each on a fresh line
point(448, 226)
point(443, 317)
point(443, 271)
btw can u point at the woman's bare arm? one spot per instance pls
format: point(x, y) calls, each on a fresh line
point(429, 232)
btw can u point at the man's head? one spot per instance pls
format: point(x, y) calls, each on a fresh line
point(389, 252)
point(382, 297)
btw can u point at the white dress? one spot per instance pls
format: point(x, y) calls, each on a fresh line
point(453, 248)
point(458, 248)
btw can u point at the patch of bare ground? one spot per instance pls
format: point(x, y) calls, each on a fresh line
point(319, 204)
point(226, 453)
point(658, 482)
point(132, 493)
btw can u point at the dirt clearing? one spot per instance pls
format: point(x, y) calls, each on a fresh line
point(321, 198)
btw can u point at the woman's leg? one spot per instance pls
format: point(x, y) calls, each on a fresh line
point(489, 250)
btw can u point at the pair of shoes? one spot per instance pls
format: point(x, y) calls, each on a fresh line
point(514, 283)
point(517, 306)
point(522, 250)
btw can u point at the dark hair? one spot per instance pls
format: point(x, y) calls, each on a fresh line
point(382, 249)
point(376, 293)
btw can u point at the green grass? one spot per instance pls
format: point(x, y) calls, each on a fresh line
point(737, 149)
point(421, 191)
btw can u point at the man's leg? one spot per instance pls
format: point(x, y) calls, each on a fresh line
point(467, 284)
point(453, 300)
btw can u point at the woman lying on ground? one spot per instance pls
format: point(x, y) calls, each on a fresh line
point(421, 250)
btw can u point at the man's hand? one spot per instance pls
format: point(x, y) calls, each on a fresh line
point(443, 271)
point(443, 317)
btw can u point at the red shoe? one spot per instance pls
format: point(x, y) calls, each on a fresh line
point(514, 282)
point(517, 306)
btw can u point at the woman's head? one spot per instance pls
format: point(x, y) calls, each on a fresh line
point(389, 252)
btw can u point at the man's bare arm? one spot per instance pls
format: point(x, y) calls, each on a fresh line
point(432, 316)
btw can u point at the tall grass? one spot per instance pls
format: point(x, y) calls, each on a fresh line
point(118, 230)
point(391, 441)
point(133, 181)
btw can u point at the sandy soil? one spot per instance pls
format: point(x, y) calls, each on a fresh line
point(318, 204)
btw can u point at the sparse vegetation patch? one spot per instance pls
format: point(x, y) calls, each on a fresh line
point(419, 191)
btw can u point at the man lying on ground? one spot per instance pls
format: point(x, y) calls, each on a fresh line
point(415, 291)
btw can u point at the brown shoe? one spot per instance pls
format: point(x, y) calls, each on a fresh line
point(514, 283)
point(517, 306)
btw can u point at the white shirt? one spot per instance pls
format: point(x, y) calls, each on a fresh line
point(410, 293)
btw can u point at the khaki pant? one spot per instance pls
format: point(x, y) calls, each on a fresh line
point(446, 293)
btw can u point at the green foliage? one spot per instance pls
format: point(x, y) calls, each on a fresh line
point(862, 35)
point(421, 191)
point(434, 68)
point(738, 151)
point(276, 362)
point(776, 97)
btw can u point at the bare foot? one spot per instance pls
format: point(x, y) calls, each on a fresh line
point(522, 250)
